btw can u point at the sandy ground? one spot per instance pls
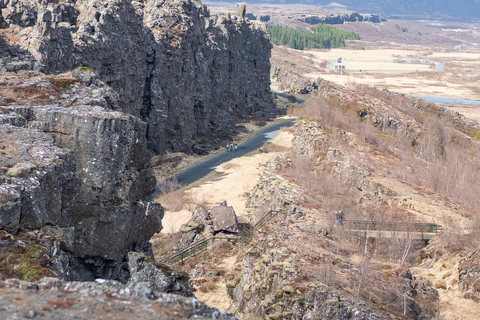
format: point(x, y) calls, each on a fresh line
point(231, 182)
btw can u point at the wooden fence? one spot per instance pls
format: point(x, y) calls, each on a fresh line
point(244, 235)
point(391, 229)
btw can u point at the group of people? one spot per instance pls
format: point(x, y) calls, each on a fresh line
point(232, 146)
point(340, 217)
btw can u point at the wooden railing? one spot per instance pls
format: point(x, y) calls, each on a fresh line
point(389, 229)
point(195, 248)
point(244, 235)
point(265, 219)
point(362, 228)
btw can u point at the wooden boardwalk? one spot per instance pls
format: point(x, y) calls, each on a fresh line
point(391, 229)
point(358, 228)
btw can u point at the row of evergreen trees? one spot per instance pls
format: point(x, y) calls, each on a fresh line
point(321, 36)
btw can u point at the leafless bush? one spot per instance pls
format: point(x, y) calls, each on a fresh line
point(208, 287)
point(301, 168)
point(172, 198)
point(170, 185)
point(271, 147)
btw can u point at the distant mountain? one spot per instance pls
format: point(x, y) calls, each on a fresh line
point(459, 10)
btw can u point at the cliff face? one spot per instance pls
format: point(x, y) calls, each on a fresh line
point(57, 170)
point(185, 73)
point(147, 75)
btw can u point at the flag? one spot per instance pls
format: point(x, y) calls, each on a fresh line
point(339, 60)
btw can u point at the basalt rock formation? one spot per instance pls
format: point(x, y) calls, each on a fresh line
point(186, 74)
point(89, 89)
point(204, 224)
point(295, 266)
point(340, 18)
point(52, 298)
point(56, 170)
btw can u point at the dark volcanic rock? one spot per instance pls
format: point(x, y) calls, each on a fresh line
point(160, 277)
point(188, 75)
point(292, 82)
point(340, 18)
point(88, 171)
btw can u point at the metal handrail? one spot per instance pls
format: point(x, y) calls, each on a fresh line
point(373, 225)
point(202, 245)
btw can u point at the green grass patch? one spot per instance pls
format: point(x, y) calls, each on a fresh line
point(475, 134)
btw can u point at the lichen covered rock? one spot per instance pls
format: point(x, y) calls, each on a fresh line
point(86, 170)
point(185, 73)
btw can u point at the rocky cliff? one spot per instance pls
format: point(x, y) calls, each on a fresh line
point(146, 295)
point(185, 73)
point(56, 170)
point(340, 18)
point(88, 90)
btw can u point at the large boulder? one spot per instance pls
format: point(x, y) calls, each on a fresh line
point(199, 227)
point(224, 218)
point(160, 277)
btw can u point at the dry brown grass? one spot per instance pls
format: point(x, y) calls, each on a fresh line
point(208, 287)
point(13, 92)
point(272, 147)
point(174, 198)
point(64, 304)
point(438, 153)
point(436, 156)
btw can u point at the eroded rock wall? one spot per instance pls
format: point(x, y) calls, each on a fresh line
point(87, 171)
point(188, 75)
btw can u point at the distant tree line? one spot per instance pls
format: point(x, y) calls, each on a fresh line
point(320, 36)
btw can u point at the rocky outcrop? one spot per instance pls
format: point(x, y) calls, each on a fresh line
point(260, 17)
point(469, 275)
point(282, 276)
point(188, 75)
point(292, 82)
point(340, 18)
point(273, 192)
point(160, 277)
point(204, 224)
point(85, 170)
point(51, 298)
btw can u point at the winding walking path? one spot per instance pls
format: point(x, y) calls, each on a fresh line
point(204, 167)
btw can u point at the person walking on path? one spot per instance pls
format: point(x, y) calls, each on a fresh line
point(236, 147)
point(228, 145)
point(231, 146)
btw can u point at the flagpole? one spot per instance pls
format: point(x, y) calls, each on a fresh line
point(341, 74)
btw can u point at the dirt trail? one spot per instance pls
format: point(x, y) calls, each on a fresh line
point(219, 297)
point(231, 182)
